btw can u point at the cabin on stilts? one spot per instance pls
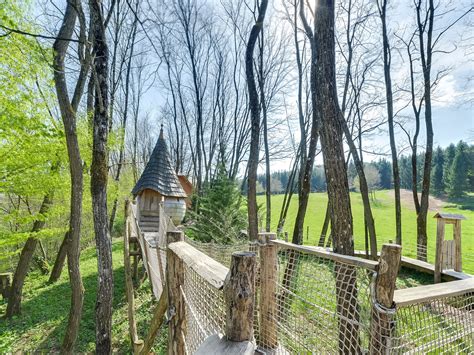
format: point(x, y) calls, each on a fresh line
point(159, 184)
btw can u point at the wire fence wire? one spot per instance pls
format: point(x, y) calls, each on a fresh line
point(326, 306)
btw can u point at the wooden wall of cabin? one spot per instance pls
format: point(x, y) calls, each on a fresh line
point(148, 202)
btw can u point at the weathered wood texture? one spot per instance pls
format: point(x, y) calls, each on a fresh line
point(175, 279)
point(413, 295)
point(218, 344)
point(268, 337)
point(385, 282)
point(239, 294)
point(136, 343)
point(210, 270)
point(439, 250)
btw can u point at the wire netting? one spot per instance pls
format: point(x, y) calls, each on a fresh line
point(205, 309)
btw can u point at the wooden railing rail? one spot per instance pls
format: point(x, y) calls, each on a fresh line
point(420, 294)
point(323, 253)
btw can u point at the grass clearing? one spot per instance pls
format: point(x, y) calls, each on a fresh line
point(384, 216)
point(45, 308)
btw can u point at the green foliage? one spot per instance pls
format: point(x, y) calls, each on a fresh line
point(458, 175)
point(220, 217)
point(40, 328)
point(449, 154)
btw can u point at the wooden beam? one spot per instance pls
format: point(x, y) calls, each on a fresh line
point(136, 343)
point(439, 250)
point(457, 246)
point(268, 256)
point(325, 254)
point(177, 327)
point(156, 322)
point(409, 296)
point(210, 270)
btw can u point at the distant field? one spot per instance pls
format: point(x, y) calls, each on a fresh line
point(384, 215)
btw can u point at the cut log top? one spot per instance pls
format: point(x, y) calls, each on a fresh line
point(325, 254)
point(209, 269)
point(422, 294)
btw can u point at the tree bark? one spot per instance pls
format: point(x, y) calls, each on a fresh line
point(16, 290)
point(68, 110)
point(336, 175)
point(426, 52)
point(59, 262)
point(99, 175)
point(255, 123)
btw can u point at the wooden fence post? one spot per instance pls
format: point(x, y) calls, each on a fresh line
point(457, 246)
point(136, 343)
point(387, 271)
point(268, 335)
point(239, 294)
point(177, 307)
point(439, 250)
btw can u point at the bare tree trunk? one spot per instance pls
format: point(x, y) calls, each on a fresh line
point(255, 118)
point(59, 262)
point(68, 113)
point(324, 230)
point(426, 51)
point(99, 175)
point(16, 290)
point(263, 105)
point(389, 96)
point(336, 176)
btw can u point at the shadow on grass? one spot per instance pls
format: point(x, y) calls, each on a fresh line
point(465, 202)
point(45, 310)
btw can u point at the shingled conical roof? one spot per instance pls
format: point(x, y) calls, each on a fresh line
point(159, 174)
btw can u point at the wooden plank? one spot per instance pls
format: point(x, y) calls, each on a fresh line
point(209, 269)
point(457, 251)
point(323, 253)
point(421, 294)
point(439, 250)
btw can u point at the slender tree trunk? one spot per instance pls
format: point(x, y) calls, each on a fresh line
point(391, 130)
point(426, 55)
point(16, 290)
point(336, 176)
point(99, 175)
point(59, 262)
point(325, 228)
point(255, 126)
point(68, 113)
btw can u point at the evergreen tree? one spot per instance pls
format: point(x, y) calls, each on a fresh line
point(385, 171)
point(437, 183)
point(221, 215)
point(458, 176)
point(449, 154)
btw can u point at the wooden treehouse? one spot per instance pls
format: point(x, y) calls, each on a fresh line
point(160, 184)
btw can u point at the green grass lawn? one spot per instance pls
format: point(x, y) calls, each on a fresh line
point(42, 323)
point(384, 215)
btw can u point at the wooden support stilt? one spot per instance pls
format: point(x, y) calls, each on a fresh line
point(137, 344)
point(156, 322)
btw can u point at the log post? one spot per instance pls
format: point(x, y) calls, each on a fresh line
point(239, 294)
point(439, 250)
point(268, 335)
point(385, 282)
point(457, 246)
point(136, 343)
point(177, 307)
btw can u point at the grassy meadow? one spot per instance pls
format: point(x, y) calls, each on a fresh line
point(40, 327)
point(383, 207)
